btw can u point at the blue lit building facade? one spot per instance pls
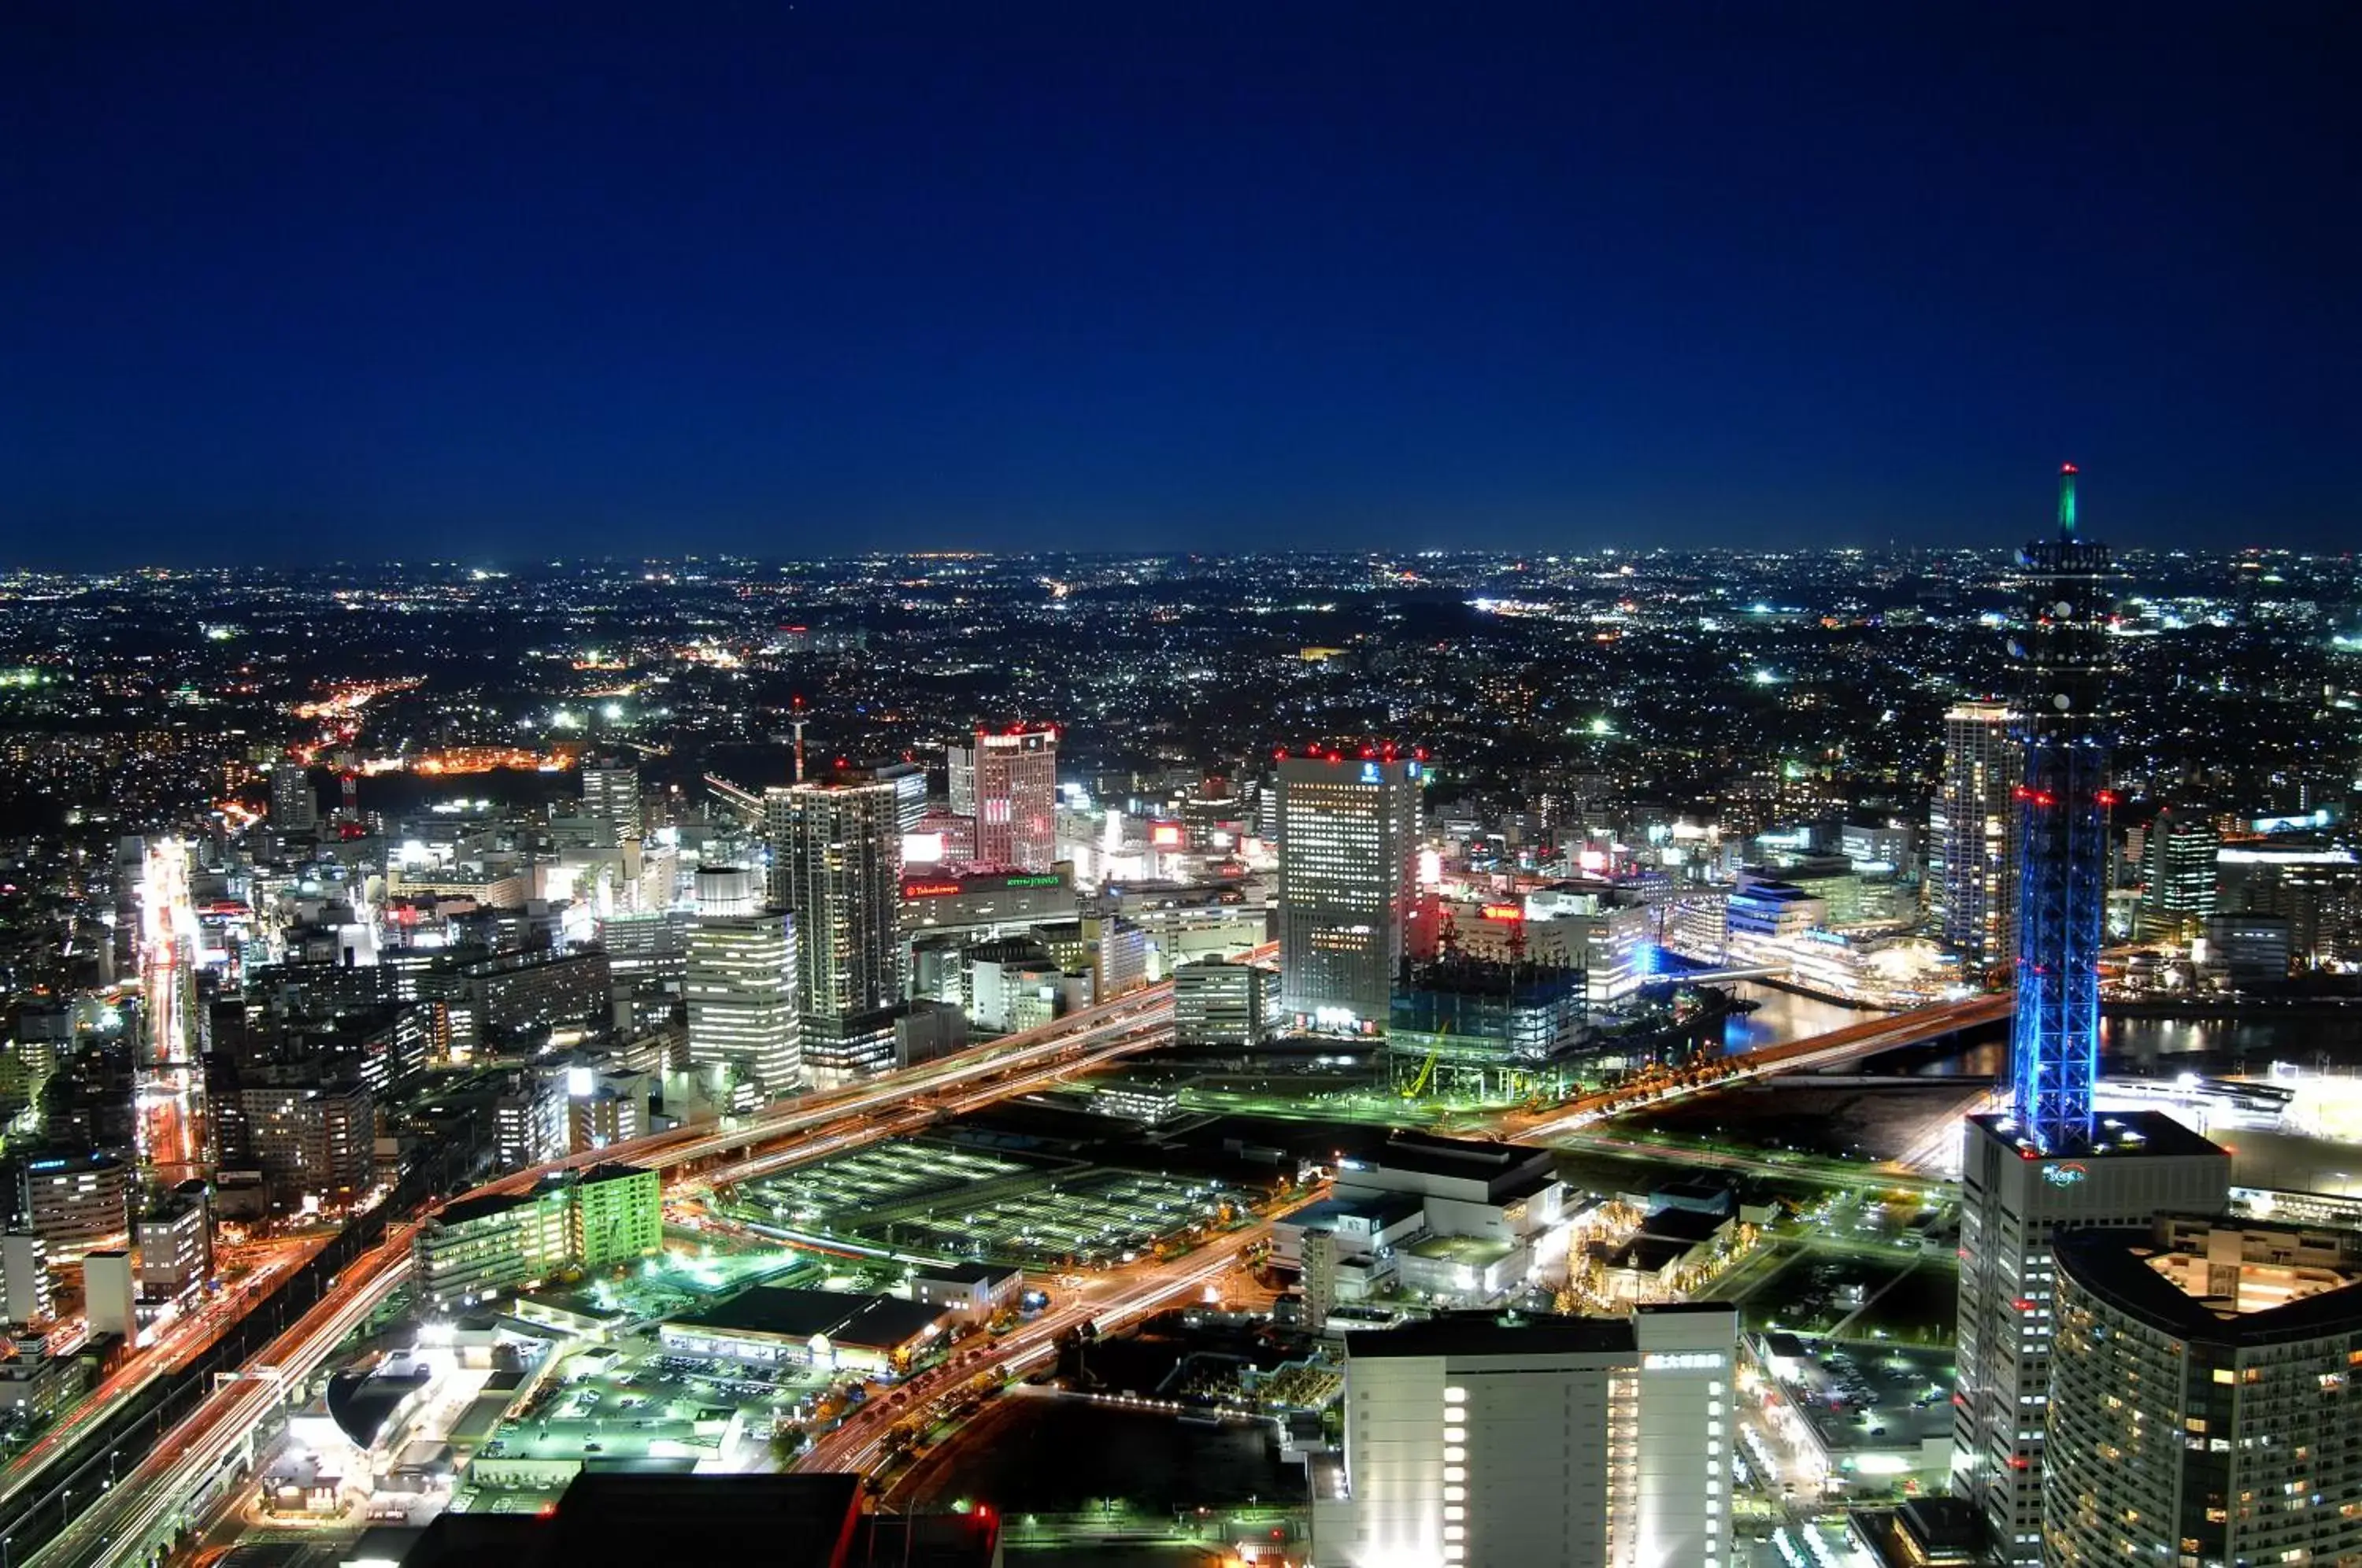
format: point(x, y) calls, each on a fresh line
point(2062, 812)
point(2049, 1163)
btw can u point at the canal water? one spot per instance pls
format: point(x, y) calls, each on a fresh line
point(2135, 1046)
point(1782, 1016)
point(2163, 1047)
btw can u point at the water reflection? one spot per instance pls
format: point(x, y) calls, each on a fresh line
point(2142, 1046)
point(2150, 1047)
point(1782, 1016)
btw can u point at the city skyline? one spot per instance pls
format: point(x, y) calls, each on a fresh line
point(825, 279)
point(1344, 760)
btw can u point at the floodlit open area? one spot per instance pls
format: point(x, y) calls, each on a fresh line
point(936, 1199)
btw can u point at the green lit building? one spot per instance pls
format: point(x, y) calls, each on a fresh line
point(484, 1247)
point(618, 1216)
point(481, 1247)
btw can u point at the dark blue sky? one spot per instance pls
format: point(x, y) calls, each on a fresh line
point(354, 280)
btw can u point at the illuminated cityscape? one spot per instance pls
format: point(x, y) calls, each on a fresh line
point(1099, 788)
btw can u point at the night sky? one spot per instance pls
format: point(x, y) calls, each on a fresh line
point(495, 281)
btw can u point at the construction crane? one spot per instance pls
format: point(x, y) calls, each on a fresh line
point(1418, 1085)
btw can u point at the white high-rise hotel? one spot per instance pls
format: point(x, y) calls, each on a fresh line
point(1348, 873)
point(1009, 783)
point(1559, 1442)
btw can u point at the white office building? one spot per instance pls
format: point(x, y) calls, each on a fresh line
point(529, 1119)
point(24, 1277)
point(611, 794)
point(2014, 1199)
point(740, 988)
point(1347, 879)
point(1482, 1441)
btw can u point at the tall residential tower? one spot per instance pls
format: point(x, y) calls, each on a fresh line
point(1974, 829)
point(836, 864)
point(610, 793)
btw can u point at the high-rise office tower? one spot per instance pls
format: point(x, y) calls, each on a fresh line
point(910, 781)
point(294, 808)
point(1580, 1442)
point(741, 988)
point(2050, 1163)
point(611, 794)
point(837, 863)
point(2179, 881)
point(1007, 781)
point(1349, 826)
point(2203, 1406)
point(1974, 828)
point(959, 758)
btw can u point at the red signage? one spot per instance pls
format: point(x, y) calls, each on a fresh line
point(1503, 911)
point(930, 890)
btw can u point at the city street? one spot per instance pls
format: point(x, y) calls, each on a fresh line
point(1111, 1302)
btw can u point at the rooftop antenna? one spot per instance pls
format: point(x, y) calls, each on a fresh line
point(797, 724)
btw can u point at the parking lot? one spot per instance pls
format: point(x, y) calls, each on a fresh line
point(855, 1192)
point(1817, 1292)
point(1099, 1218)
point(633, 1402)
point(940, 1201)
point(1864, 1419)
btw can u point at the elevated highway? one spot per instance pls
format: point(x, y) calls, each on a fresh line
point(137, 1513)
point(1836, 1048)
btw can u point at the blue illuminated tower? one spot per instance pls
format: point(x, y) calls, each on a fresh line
point(2048, 1163)
point(2062, 811)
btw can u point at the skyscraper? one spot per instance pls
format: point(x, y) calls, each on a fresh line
point(2062, 812)
point(611, 794)
point(2050, 1163)
point(2179, 882)
point(837, 863)
point(1008, 782)
point(1349, 830)
point(910, 781)
point(2013, 1197)
point(295, 807)
point(1974, 826)
point(741, 988)
point(2202, 1401)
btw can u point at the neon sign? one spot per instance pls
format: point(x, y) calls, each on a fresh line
point(2067, 1175)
